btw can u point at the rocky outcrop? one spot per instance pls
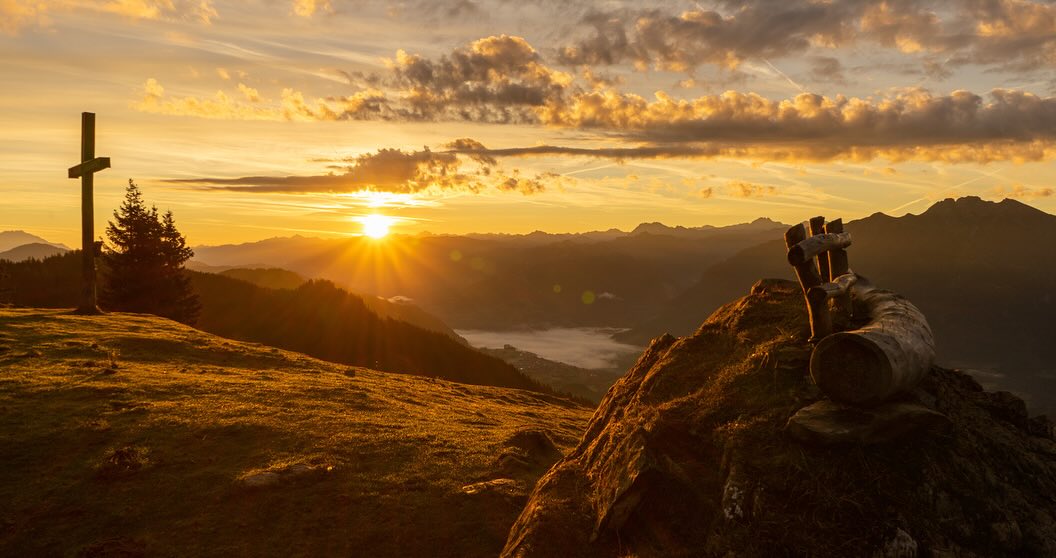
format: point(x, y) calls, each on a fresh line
point(691, 454)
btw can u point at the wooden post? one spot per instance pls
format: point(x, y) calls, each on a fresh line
point(807, 273)
point(86, 170)
point(817, 226)
point(891, 353)
point(838, 266)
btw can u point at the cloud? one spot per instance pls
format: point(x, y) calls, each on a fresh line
point(308, 8)
point(498, 79)
point(741, 189)
point(387, 170)
point(502, 79)
point(1018, 34)
point(364, 105)
point(18, 14)
point(911, 124)
point(827, 69)
point(683, 41)
point(526, 186)
point(1021, 191)
point(494, 79)
point(394, 171)
point(477, 151)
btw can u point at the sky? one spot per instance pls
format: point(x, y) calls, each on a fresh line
point(261, 118)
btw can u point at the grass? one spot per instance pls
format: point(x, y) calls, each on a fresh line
point(125, 435)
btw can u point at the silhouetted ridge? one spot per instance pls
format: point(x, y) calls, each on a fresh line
point(34, 250)
point(324, 321)
point(317, 318)
point(973, 207)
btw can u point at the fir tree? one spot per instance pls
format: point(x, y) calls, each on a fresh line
point(145, 258)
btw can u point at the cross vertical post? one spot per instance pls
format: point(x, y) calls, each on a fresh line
point(86, 170)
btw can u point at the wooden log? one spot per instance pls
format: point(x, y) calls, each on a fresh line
point(837, 288)
point(820, 321)
point(838, 264)
point(817, 226)
point(890, 354)
point(816, 245)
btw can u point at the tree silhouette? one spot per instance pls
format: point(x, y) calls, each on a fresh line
point(144, 261)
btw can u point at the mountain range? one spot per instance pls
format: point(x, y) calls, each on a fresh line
point(16, 246)
point(983, 272)
point(612, 278)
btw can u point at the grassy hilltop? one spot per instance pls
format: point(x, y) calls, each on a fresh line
point(126, 435)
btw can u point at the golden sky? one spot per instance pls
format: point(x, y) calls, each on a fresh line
point(260, 118)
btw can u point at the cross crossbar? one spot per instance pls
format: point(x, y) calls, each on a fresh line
point(88, 167)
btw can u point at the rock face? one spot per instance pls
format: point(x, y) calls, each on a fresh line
point(689, 455)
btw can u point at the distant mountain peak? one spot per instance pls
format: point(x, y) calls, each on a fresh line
point(13, 239)
point(976, 207)
point(32, 250)
point(654, 227)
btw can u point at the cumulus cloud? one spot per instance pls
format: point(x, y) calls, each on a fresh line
point(495, 79)
point(912, 124)
point(390, 170)
point(502, 79)
point(1015, 33)
point(908, 124)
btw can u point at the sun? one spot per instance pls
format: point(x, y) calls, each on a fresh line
point(375, 225)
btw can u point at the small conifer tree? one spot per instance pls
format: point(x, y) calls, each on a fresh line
point(144, 258)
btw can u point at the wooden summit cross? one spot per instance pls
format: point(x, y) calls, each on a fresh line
point(90, 164)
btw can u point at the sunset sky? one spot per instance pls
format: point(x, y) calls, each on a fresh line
point(253, 119)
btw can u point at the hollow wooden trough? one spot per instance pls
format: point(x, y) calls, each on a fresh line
point(890, 353)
